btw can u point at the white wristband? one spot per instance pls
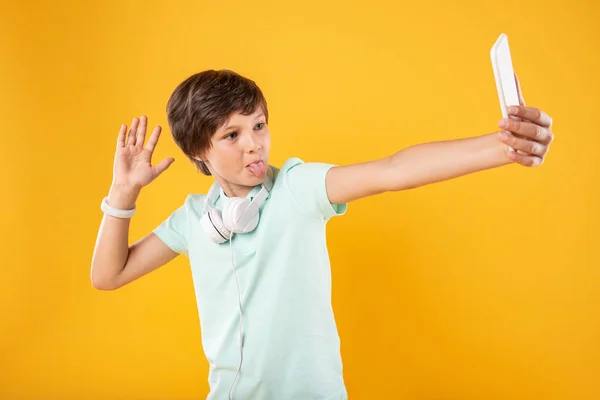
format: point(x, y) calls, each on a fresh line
point(115, 212)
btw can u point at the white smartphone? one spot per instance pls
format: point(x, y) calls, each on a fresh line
point(504, 74)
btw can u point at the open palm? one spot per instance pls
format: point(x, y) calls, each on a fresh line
point(133, 161)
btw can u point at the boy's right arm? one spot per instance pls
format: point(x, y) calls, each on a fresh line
point(114, 262)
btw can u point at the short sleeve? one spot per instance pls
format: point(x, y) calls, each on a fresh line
point(173, 231)
point(306, 183)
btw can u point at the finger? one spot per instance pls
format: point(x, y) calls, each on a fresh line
point(527, 161)
point(527, 129)
point(153, 139)
point(163, 165)
point(532, 114)
point(131, 135)
point(524, 146)
point(141, 131)
point(121, 136)
point(519, 92)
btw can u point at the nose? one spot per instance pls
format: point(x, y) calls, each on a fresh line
point(252, 143)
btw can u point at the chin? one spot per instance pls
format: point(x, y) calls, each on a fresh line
point(252, 180)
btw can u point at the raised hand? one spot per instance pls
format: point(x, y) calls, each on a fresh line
point(132, 165)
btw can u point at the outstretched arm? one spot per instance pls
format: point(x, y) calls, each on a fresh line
point(437, 161)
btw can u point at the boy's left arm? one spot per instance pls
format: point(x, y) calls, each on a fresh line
point(437, 161)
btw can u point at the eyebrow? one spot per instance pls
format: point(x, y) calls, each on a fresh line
point(235, 126)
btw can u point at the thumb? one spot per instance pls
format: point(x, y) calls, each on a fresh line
point(163, 165)
point(519, 91)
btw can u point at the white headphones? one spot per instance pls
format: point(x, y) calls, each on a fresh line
point(240, 215)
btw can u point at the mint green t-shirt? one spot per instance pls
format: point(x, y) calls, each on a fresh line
point(291, 345)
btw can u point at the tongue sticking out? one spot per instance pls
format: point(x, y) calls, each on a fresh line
point(257, 169)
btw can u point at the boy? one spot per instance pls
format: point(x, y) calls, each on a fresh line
point(256, 242)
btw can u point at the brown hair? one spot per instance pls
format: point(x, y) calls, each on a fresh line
point(203, 102)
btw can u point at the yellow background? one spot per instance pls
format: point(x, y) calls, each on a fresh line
point(483, 287)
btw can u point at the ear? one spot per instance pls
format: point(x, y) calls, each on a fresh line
point(198, 157)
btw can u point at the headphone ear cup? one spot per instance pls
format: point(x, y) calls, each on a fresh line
point(240, 215)
point(213, 225)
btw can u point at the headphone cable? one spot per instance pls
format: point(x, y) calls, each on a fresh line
point(240, 307)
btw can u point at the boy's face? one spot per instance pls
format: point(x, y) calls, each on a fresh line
point(239, 153)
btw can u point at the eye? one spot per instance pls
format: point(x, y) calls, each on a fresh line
point(231, 136)
point(260, 125)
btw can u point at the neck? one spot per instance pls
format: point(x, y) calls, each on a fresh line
point(232, 190)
